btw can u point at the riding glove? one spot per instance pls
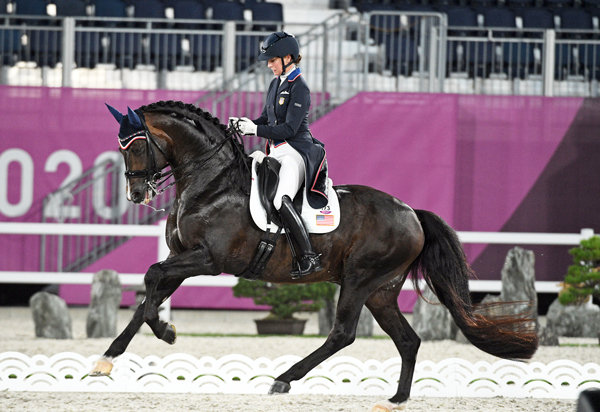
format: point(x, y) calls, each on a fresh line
point(247, 126)
point(233, 121)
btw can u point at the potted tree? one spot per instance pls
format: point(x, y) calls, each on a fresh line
point(583, 277)
point(285, 301)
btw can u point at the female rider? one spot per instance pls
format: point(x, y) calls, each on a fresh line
point(284, 123)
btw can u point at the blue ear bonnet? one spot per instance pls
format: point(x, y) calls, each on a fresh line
point(131, 126)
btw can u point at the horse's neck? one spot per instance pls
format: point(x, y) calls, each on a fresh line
point(201, 169)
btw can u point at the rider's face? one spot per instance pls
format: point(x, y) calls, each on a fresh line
point(275, 64)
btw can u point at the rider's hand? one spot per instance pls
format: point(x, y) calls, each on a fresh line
point(247, 126)
point(233, 121)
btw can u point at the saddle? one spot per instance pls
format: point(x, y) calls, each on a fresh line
point(267, 173)
point(265, 180)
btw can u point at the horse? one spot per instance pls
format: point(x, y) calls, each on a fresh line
point(378, 244)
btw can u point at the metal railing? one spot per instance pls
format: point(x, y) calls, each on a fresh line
point(347, 53)
point(126, 52)
point(244, 93)
point(479, 60)
point(405, 45)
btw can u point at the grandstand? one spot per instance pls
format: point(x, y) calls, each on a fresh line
point(508, 47)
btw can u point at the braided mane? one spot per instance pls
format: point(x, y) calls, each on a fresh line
point(195, 114)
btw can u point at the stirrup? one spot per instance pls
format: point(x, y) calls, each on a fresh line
point(314, 265)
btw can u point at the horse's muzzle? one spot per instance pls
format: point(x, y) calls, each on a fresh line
point(138, 197)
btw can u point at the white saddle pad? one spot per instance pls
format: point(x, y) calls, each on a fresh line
point(322, 220)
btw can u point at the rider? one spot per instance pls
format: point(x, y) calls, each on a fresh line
point(284, 123)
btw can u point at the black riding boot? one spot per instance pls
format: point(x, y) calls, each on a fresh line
point(309, 261)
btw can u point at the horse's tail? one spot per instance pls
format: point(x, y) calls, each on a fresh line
point(443, 265)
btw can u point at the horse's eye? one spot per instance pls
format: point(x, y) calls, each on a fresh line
point(138, 150)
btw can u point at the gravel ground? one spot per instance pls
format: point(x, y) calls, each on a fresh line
point(18, 335)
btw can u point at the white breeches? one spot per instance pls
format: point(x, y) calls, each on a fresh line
point(291, 174)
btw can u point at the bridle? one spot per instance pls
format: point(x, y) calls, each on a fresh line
point(152, 173)
point(154, 176)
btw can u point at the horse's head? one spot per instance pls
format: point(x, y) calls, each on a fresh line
point(144, 154)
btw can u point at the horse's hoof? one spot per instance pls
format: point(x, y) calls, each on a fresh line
point(170, 335)
point(102, 367)
point(387, 406)
point(279, 387)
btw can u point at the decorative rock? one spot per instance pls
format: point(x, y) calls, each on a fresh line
point(104, 305)
point(580, 321)
point(327, 318)
point(365, 323)
point(518, 285)
point(50, 316)
point(432, 321)
point(548, 337)
point(518, 282)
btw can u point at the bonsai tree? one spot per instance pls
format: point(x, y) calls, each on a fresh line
point(285, 300)
point(583, 277)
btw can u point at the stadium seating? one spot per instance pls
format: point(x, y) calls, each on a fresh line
point(30, 7)
point(228, 10)
point(148, 9)
point(575, 19)
point(537, 18)
point(266, 12)
point(460, 18)
point(188, 9)
point(110, 8)
point(70, 7)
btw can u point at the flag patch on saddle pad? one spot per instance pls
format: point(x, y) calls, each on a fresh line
point(325, 220)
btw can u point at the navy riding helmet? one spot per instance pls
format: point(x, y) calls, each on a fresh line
point(279, 44)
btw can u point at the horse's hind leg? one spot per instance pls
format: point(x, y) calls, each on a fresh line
point(383, 304)
point(342, 334)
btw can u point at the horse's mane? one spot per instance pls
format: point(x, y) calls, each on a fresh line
point(197, 115)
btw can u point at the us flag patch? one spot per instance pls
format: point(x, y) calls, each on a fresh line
point(325, 220)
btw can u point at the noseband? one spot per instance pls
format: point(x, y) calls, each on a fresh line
point(152, 173)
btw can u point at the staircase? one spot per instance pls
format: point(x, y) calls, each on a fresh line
point(97, 197)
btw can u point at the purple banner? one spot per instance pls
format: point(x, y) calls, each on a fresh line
point(480, 162)
point(470, 159)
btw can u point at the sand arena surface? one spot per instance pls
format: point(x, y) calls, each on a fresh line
point(18, 335)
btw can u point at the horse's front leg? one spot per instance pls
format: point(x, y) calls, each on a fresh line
point(168, 275)
point(158, 290)
point(104, 364)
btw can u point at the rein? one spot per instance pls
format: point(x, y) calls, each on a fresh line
point(155, 177)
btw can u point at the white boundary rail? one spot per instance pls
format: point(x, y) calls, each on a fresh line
point(157, 231)
point(339, 375)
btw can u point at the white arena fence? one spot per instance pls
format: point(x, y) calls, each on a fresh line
point(158, 231)
point(342, 375)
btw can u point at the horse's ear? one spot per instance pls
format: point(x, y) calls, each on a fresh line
point(118, 115)
point(133, 117)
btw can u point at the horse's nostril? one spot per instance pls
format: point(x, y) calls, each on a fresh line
point(136, 197)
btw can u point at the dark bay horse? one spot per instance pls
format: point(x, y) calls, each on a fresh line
point(379, 242)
